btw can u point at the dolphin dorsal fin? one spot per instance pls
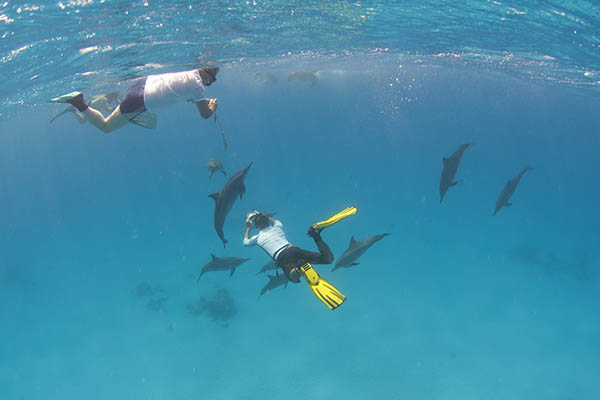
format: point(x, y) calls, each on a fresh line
point(352, 241)
point(214, 196)
point(213, 256)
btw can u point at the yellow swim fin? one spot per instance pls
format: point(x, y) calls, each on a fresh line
point(336, 218)
point(324, 291)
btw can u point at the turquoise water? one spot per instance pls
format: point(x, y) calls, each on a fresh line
point(103, 236)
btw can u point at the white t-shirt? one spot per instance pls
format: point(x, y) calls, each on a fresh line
point(164, 90)
point(271, 239)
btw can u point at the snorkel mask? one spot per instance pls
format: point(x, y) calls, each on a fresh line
point(251, 217)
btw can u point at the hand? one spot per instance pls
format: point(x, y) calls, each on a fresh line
point(206, 107)
point(213, 104)
point(250, 216)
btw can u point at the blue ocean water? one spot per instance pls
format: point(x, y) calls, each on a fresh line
point(103, 236)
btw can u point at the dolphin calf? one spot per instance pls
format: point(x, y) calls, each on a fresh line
point(355, 250)
point(215, 165)
point(274, 282)
point(509, 189)
point(450, 168)
point(222, 264)
point(225, 198)
point(268, 267)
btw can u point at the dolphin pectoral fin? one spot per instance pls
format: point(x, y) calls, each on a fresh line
point(212, 171)
point(214, 258)
point(242, 191)
point(508, 204)
point(199, 276)
point(232, 271)
point(353, 264)
point(223, 171)
point(453, 183)
point(214, 196)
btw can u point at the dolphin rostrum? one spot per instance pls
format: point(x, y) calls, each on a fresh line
point(355, 250)
point(268, 267)
point(450, 168)
point(215, 165)
point(222, 264)
point(274, 282)
point(225, 198)
point(509, 189)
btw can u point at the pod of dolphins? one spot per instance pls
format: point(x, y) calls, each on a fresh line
point(451, 167)
point(235, 187)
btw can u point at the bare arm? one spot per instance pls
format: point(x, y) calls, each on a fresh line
point(247, 233)
point(206, 107)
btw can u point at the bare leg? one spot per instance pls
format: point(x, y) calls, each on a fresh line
point(80, 117)
point(114, 121)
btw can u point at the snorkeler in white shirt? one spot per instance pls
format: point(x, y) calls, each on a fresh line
point(148, 95)
point(272, 240)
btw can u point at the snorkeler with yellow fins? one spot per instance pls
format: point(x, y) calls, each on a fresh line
point(295, 261)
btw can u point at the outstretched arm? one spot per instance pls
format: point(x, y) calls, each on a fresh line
point(207, 107)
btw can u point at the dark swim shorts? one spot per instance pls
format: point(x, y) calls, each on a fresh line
point(134, 98)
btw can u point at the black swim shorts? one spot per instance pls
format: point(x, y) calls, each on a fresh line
point(134, 98)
